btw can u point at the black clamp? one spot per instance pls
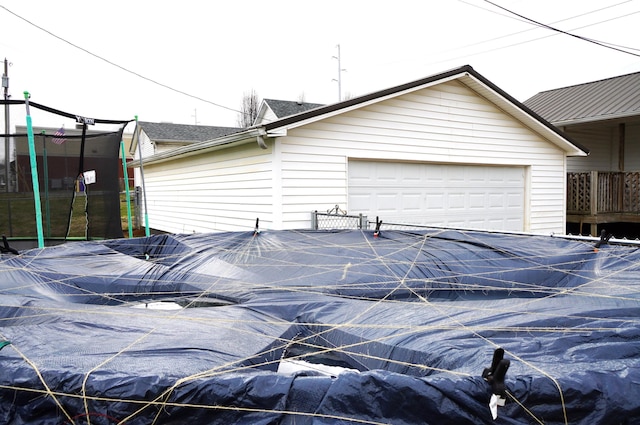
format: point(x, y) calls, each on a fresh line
point(5, 248)
point(376, 232)
point(604, 239)
point(256, 231)
point(495, 375)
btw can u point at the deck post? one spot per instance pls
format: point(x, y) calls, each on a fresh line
point(593, 206)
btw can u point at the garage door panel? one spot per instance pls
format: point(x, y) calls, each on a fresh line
point(441, 195)
point(497, 200)
point(411, 202)
point(434, 202)
point(455, 201)
point(515, 200)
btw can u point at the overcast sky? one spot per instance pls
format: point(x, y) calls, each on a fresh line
point(217, 51)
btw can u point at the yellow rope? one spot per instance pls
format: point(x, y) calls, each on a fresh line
point(529, 412)
point(47, 391)
point(250, 249)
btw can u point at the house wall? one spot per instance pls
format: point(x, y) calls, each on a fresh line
point(148, 149)
point(603, 144)
point(603, 149)
point(632, 148)
point(267, 117)
point(146, 146)
point(221, 190)
point(447, 123)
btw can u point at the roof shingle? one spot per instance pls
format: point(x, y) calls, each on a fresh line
point(183, 132)
point(285, 108)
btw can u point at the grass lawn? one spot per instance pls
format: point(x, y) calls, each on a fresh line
point(18, 218)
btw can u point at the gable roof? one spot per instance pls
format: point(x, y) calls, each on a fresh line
point(183, 132)
point(615, 97)
point(285, 108)
point(465, 75)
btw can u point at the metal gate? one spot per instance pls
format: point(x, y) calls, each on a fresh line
point(337, 218)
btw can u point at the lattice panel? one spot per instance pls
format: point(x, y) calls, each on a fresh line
point(632, 192)
point(578, 192)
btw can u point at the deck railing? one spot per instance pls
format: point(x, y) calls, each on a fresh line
point(598, 192)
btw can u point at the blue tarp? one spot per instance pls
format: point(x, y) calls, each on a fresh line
point(413, 317)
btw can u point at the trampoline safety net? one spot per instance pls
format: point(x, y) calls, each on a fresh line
point(78, 178)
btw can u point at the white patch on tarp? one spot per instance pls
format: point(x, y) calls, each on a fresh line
point(159, 305)
point(290, 367)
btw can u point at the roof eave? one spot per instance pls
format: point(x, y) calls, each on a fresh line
point(243, 137)
point(357, 102)
point(489, 90)
point(594, 119)
point(173, 141)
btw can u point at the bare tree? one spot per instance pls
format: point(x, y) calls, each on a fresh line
point(249, 109)
point(348, 95)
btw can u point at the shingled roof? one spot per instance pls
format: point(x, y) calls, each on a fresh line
point(615, 97)
point(285, 108)
point(183, 132)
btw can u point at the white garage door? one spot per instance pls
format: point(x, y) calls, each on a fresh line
point(479, 197)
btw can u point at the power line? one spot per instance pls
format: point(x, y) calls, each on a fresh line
point(555, 22)
point(449, 59)
point(526, 41)
point(540, 24)
point(120, 66)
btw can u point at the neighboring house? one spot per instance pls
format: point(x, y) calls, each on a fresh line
point(127, 139)
point(271, 109)
point(604, 116)
point(452, 150)
point(156, 137)
point(62, 164)
point(55, 152)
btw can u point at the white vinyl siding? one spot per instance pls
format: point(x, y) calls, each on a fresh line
point(444, 124)
point(222, 190)
point(146, 146)
point(267, 117)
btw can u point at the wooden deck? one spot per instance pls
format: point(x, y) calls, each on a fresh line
point(603, 197)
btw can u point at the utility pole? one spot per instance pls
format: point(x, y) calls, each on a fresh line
point(340, 70)
point(195, 116)
point(7, 139)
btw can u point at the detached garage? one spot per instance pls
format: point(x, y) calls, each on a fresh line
point(450, 150)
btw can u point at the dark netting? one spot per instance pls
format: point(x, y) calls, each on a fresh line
point(78, 175)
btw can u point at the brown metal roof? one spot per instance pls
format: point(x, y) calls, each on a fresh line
point(611, 98)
